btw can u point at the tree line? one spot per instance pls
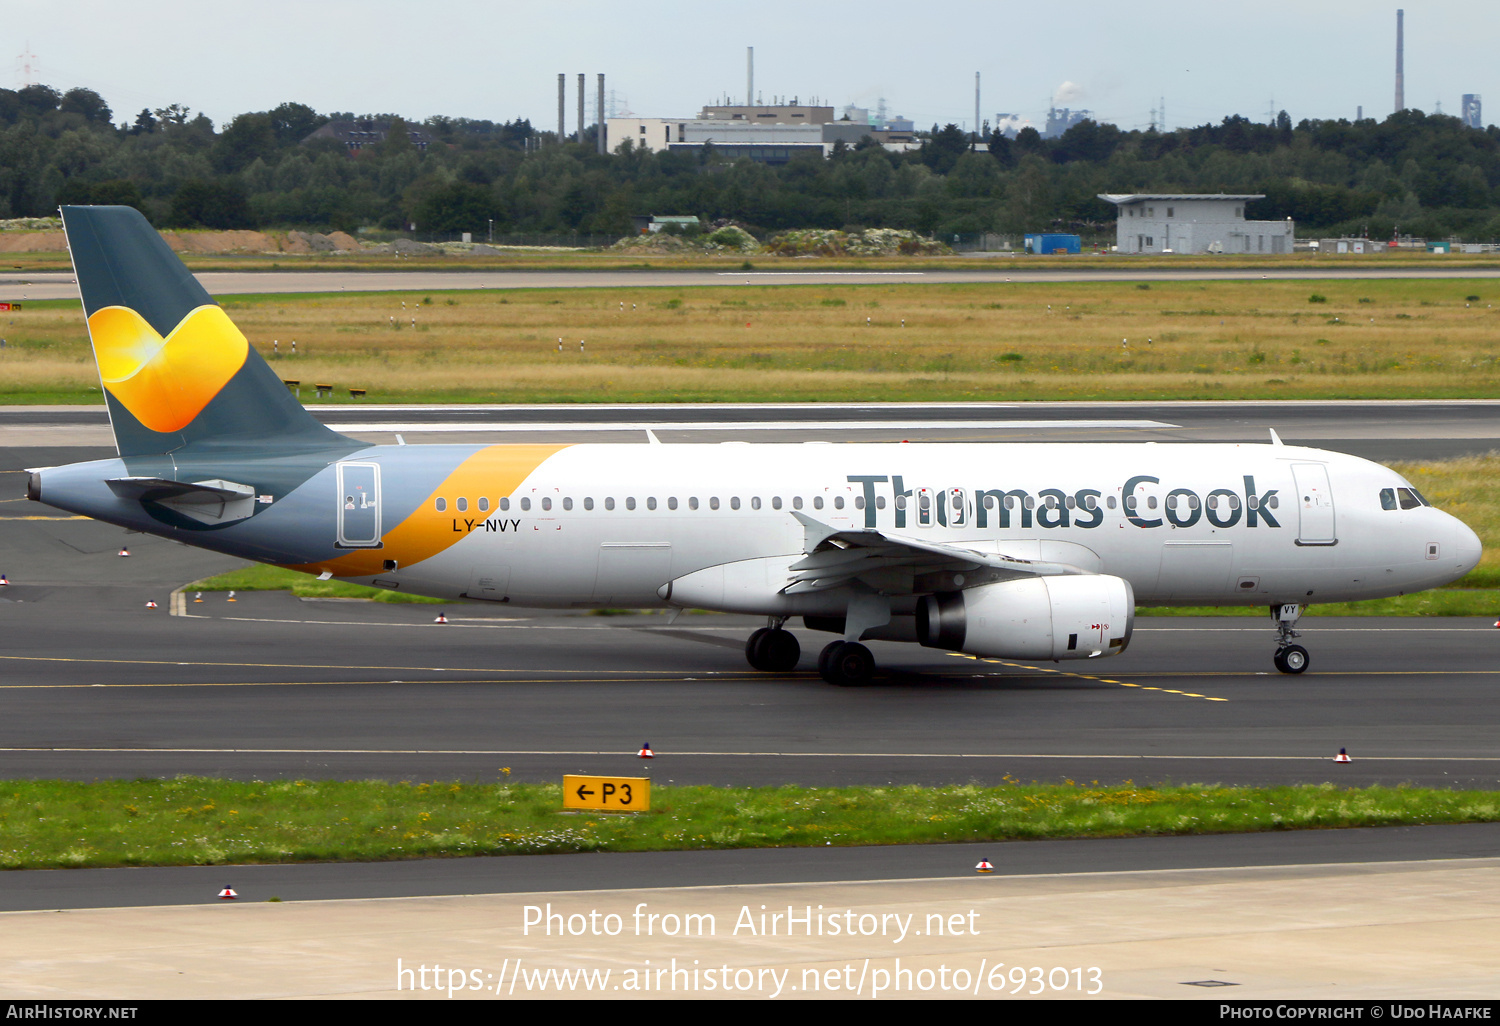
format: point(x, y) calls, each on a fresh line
point(1417, 173)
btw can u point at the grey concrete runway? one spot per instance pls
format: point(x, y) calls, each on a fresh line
point(1375, 429)
point(60, 285)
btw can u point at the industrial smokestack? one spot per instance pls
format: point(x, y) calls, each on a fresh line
point(561, 86)
point(1400, 53)
point(599, 138)
point(581, 88)
point(749, 76)
point(976, 110)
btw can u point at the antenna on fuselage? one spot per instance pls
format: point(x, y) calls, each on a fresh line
point(1275, 438)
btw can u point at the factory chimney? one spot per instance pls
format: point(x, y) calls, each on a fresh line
point(561, 85)
point(749, 76)
point(1400, 52)
point(976, 111)
point(582, 90)
point(603, 146)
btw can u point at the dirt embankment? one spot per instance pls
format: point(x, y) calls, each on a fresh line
point(201, 242)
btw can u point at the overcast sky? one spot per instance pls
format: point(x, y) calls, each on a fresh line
point(500, 60)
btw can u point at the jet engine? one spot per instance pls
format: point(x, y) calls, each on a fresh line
point(1072, 617)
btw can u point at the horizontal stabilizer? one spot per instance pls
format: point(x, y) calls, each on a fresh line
point(208, 502)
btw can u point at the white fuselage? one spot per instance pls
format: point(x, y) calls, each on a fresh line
point(1183, 523)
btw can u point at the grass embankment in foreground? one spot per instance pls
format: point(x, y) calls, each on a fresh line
point(1023, 340)
point(198, 821)
point(260, 577)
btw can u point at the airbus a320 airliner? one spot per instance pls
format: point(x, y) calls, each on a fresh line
point(1022, 551)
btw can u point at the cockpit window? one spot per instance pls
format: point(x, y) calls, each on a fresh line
point(1387, 498)
point(1420, 497)
point(1408, 498)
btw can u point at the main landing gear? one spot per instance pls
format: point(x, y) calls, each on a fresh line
point(773, 649)
point(847, 664)
point(1289, 658)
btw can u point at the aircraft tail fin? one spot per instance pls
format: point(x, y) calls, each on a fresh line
point(176, 372)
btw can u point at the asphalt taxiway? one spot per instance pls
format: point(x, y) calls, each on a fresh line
point(22, 286)
point(1382, 430)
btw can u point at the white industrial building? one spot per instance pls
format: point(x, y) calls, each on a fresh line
point(1177, 223)
point(767, 142)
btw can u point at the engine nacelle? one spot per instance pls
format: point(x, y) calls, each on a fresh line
point(1072, 617)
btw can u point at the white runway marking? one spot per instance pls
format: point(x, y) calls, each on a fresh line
point(773, 425)
point(763, 755)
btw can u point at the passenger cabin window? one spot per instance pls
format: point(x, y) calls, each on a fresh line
point(734, 502)
point(692, 502)
point(525, 503)
point(505, 505)
point(463, 505)
point(672, 502)
point(547, 502)
point(568, 503)
point(609, 502)
point(713, 502)
point(796, 502)
point(817, 502)
point(588, 502)
point(1387, 498)
point(630, 502)
point(484, 505)
point(651, 502)
point(442, 504)
point(838, 502)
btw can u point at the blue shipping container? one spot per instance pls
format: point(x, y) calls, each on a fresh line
point(1052, 243)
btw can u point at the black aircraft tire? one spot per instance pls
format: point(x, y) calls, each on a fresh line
point(852, 666)
point(825, 660)
point(1294, 659)
point(755, 649)
point(780, 651)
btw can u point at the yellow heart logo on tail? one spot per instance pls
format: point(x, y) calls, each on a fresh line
point(166, 382)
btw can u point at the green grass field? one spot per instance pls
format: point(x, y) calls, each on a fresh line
point(50, 824)
point(1023, 340)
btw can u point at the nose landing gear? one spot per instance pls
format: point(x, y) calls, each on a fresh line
point(1289, 658)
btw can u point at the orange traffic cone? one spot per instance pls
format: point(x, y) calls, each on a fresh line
point(198, 597)
point(646, 752)
point(984, 866)
point(150, 604)
point(441, 618)
point(227, 894)
point(231, 598)
point(1343, 756)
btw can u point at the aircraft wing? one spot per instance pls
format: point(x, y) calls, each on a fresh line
point(896, 564)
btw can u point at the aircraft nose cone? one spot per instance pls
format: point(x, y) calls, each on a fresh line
point(1467, 547)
